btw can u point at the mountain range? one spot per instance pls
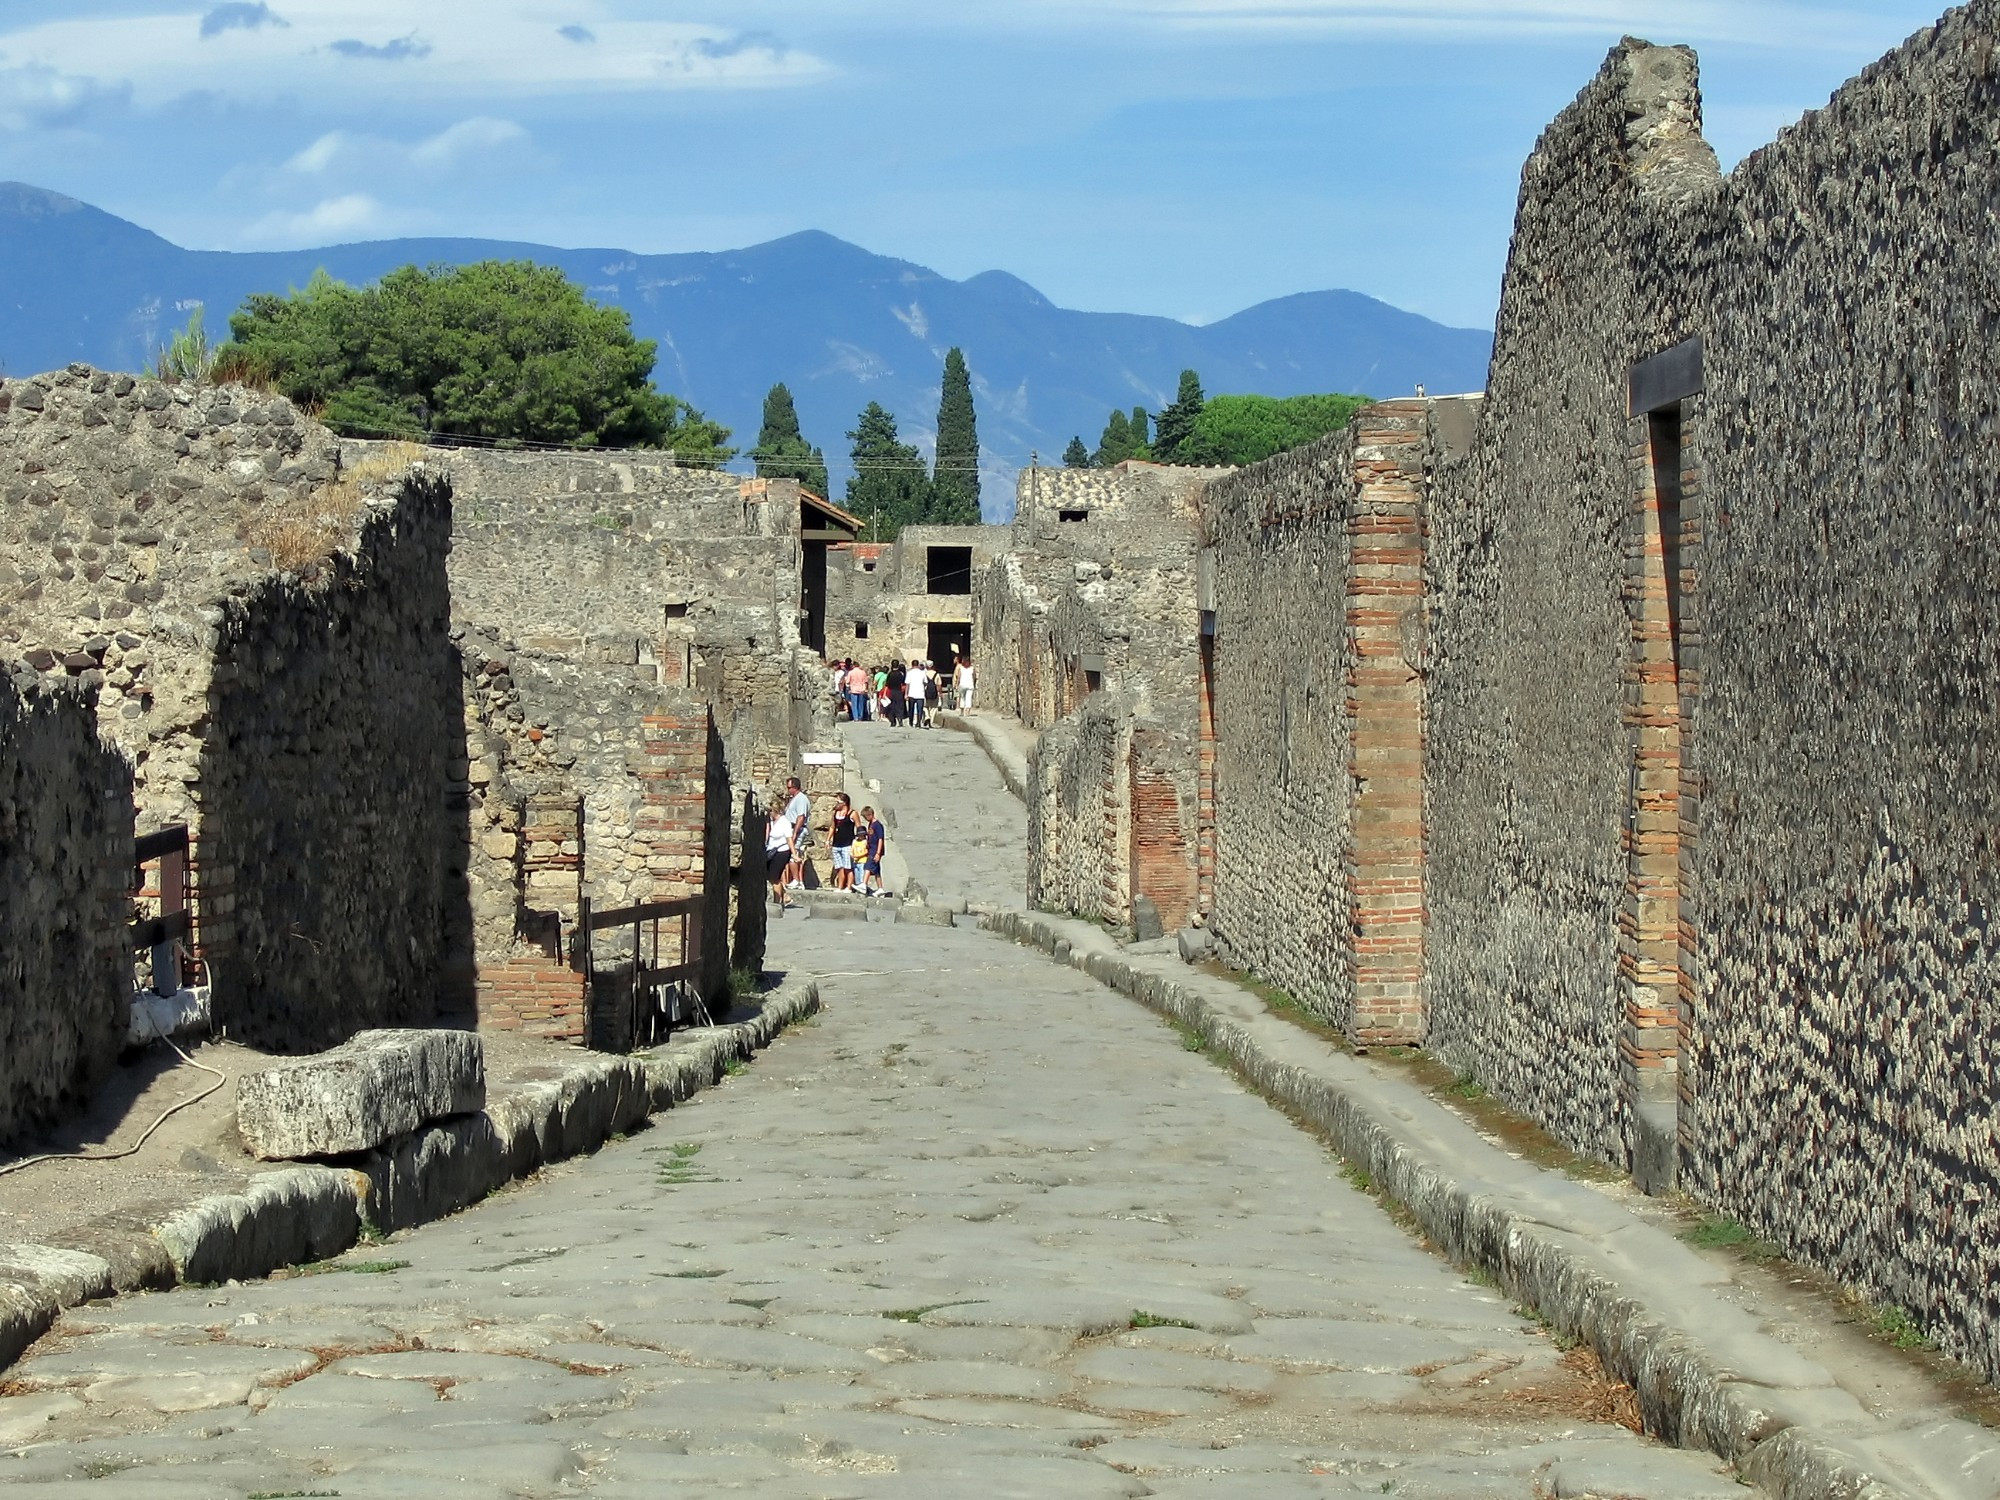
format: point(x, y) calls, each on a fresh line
point(839, 324)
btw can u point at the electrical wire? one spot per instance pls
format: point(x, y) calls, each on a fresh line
point(221, 1078)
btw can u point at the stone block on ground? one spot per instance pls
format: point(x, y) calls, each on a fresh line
point(1196, 943)
point(1146, 924)
point(928, 916)
point(377, 1086)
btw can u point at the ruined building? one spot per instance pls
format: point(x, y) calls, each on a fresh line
point(1623, 736)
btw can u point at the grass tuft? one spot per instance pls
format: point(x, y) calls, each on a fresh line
point(1143, 1319)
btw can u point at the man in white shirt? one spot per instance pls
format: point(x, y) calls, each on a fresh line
point(798, 812)
point(917, 684)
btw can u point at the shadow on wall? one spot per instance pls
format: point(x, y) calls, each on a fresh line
point(331, 870)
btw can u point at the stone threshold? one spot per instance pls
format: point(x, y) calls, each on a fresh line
point(1658, 1315)
point(296, 1215)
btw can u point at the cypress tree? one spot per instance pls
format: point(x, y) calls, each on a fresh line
point(955, 482)
point(782, 451)
point(1141, 447)
point(1172, 426)
point(889, 487)
point(1076, 456)
point(1115, 446)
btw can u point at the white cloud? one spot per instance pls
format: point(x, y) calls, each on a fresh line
point(473, 137)
point(320, 155)
point(334, 219)
point(38, 97)
point(344, 154)
point(349, 48)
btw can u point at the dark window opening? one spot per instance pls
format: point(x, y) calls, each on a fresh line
point(677, 611)
point(948, 570)
point(868, 565)
point(1092, 681)
point(1073, 515)
point(1664, 430)
point(861, 630)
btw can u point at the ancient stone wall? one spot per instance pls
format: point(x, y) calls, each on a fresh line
point(65, 882)
point(1528, 773)
point(625, 558)
point(1079, 813)
point(892, 600)
point(1710, 829)
point(1841, 546)
point(1282, 798)
point(267, 637)
point(332, 869)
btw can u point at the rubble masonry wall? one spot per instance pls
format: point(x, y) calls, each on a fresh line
point(1283, 803)
point(65, 873)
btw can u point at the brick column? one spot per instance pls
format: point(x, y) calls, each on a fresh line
point(1386, 538)
point(671, 829)
point(539, 993)
point(1650, 928)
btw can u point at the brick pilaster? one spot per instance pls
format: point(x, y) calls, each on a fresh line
point(1385, 583)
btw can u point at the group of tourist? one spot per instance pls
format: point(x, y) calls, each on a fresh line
point(858, 841)
point(899, 695)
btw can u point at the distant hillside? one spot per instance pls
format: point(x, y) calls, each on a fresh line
point(839, 324)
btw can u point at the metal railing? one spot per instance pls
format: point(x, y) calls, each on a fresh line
point(661, 995)
point(170, 935)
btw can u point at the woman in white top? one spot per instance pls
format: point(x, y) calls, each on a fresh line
point(777, 852)
point(962, 677)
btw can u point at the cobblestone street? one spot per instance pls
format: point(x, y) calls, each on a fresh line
point(982, 1228)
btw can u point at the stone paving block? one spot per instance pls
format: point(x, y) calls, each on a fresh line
point(379, 1085)
point(24, 1418)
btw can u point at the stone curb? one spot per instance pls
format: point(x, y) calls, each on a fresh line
point(306, 1213)
point(1721, 1399)
point(1011, 764)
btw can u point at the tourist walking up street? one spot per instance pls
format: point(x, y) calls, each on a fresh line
point(856, 684)
point(844, 829)
point(917, 684)
point(896, 682)
point(962, 680)
point(798, 811)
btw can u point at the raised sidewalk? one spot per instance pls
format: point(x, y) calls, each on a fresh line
point(305, 1213)
point(1658, 1315)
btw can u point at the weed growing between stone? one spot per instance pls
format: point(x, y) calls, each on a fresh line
point(351, 1268)
point(1718, 1232)
point(916, 1314)
point(1891, 1323)
point(1142, 1319)
point(679, 1165)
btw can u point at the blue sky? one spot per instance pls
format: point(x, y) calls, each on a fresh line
point(1185, 157)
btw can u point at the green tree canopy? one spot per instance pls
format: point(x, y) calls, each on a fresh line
point(955, 481)
point(782, 451)
point(1172, 427)
point(1076, 456)
point(889, 487)
point(1115, 445)
point(1141, 446)
point(1244, 429)
point(504, 350)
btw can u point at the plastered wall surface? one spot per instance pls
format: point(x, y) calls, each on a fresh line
point(65, 865)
